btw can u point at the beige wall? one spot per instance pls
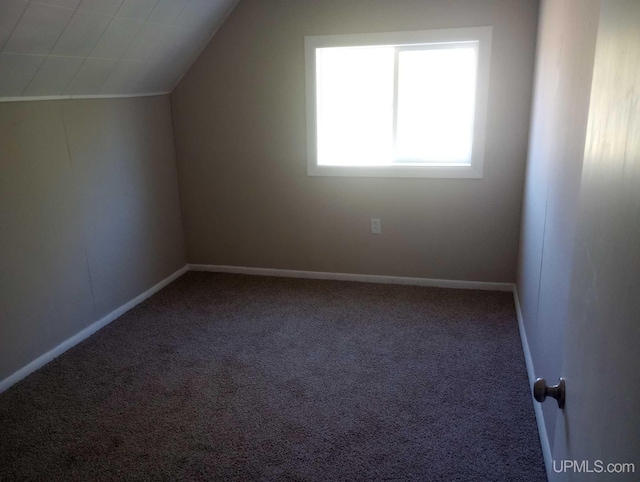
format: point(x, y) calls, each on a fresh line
point(89, 215)
point(240, 127)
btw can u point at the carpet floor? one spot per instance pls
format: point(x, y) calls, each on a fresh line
point(231, 377)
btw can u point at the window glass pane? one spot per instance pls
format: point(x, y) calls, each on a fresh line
point(436, 97)
point(355, 106)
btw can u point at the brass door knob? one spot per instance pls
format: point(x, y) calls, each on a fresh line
point(541, 391)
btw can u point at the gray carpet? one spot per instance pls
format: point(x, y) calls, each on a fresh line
point(228, 377)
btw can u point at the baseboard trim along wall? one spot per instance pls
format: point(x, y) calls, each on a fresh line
point(78, 97)
point(366, 278)
point(537, 407)
point(87, 332)
point(429, 282)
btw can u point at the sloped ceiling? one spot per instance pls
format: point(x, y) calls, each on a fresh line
point(59, 48)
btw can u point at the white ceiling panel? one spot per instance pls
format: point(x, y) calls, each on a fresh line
point(139, 9)
point(174, 49)
point(146, 42)
point(194, 13)
point(90, 77)
point(38, 29)
point(166, 11)
point(159, 77)
point(10, 13)
point(61, 3)
point(179, 47)
point(116, 38)
point(203, 14)
point(53, 76)
point(106, 7)
point(17, 72)
point(81, 35)
point(125, 78)
point(101, 47)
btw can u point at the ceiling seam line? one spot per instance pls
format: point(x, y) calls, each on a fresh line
point(34, 75)
point(48, 53)
point(173, 25)
point(99, 38)
point(120, 58)
point(73, 77)
point(88, 56)
point(108, 76)
point(146, 19)
point(14, 28)
point(204, 46)
point(144, 22)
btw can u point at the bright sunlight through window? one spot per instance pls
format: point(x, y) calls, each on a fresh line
point(408, 104)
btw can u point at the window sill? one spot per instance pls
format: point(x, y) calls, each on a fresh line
point(438, 172)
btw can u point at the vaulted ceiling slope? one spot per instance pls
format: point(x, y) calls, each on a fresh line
point(60, 48)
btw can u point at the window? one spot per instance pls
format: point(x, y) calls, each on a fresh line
point(401, 104)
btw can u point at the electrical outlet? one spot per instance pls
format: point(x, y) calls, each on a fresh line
point(376, 228)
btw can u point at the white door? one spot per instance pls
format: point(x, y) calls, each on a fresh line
point(600, 424)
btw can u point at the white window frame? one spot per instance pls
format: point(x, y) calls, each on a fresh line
point(403, 40)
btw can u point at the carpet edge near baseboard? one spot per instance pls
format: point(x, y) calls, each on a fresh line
point(85, 333)
point(364, 278)
point(537, 407)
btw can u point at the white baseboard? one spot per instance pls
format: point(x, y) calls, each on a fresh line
point(91, 329)
point(86, 333)
point(537, 407)
point(366, 278)
point(73, 97)
point(437, 283)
